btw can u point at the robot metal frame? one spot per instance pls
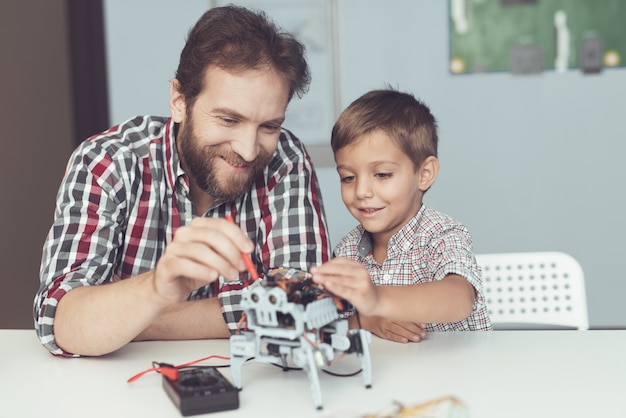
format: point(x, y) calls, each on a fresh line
point(287, 315)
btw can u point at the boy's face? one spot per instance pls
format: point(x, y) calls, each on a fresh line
point(380, 185)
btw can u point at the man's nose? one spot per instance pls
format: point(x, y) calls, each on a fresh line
point(246, 145)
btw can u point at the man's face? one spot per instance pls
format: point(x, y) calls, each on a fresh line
point(229, 135)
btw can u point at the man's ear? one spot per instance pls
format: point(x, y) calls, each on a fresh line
point(178, 106)
point(427, 173)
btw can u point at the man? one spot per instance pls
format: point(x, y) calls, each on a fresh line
point(139, 248)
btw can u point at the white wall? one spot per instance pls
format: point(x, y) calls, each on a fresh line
point(527, 163)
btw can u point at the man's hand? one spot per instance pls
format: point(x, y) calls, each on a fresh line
point(199, 253)
point(148, 306)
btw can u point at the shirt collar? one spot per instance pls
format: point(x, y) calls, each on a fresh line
point(172, 160)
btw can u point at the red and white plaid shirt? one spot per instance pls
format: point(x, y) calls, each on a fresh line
point(429, 247)
point(124, 194)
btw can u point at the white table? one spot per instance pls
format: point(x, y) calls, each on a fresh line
point(497, 374)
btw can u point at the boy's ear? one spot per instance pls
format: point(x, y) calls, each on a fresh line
point(427, 173)
point(178, 106)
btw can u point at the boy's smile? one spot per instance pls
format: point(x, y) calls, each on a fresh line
point(370, 212)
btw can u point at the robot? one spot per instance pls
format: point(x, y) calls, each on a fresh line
point(287, 315)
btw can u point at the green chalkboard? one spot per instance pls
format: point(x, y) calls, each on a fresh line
point(527, 36)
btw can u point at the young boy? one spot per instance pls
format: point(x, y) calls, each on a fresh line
point(406, 268)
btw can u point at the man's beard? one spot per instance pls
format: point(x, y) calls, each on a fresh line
point(200, 163)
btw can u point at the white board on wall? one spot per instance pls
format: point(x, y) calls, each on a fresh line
point(144, 39)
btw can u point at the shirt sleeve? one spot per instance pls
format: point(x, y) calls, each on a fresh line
point(292, 231)
point(453, 253)
point(80, 248)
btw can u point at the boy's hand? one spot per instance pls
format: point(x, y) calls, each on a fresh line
point(398, 331)
point(348, 280)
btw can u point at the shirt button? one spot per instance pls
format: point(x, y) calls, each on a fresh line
point(387, 277)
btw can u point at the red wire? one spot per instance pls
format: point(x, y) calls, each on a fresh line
point(180, 366)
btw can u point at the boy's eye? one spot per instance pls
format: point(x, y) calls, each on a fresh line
point(383, 175)
point(346, 179)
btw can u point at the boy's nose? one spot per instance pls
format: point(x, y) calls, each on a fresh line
point(363, 189)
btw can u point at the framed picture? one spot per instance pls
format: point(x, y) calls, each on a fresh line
point(530, 36)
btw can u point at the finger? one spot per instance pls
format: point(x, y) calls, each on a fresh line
point(407, 330)
point(214, 239)
point(225, 262)
point(339, 266)
point(175, 277)
point(392, 336)
point(335, 272)
point(404, 336)
point(337, 285)
point(397, 338)
point(229, 229)
point(412, 327)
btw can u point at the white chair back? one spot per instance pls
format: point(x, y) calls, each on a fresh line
point(534, 290)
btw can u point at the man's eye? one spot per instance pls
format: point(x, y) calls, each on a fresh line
point(228, 121)
point(271, 128)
